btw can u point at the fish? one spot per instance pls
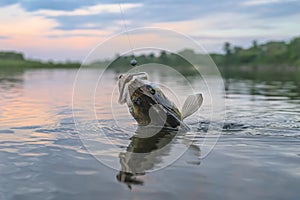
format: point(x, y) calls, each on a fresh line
point(149, 106)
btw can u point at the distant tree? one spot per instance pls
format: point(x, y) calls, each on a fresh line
point(227, 48)
point(293, 51)
point(151, 55)
point(254, 44)
point(237, 49)
point(163, 58)
point(11, 55)
point(163, 54)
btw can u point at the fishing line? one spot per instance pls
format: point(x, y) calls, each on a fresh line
point(133, 62)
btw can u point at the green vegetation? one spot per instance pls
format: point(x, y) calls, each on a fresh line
point(11, 56)
point(271, 54)
point(275, 56)
point(121, 63)
point(17, 60)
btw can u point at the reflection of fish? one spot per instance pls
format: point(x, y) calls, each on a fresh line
point(148, 104)
point(146, 153)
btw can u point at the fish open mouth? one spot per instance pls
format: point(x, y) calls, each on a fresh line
point(124, 81)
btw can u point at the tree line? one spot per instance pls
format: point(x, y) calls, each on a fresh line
point(270, 53)
point(280, 54)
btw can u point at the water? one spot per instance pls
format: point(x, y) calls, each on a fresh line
point(43, 157)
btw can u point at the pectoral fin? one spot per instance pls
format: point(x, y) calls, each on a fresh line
point(191, 105)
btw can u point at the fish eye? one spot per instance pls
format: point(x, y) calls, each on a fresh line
point(120, 76)
point(150, 89)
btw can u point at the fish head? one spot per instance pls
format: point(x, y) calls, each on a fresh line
point(147, 102)
point(130, 80)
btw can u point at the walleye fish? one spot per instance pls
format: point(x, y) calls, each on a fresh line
point(148, 104)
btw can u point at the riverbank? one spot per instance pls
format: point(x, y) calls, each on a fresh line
point(16, 60)
point(30, 64)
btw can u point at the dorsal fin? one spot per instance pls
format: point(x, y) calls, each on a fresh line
point(191, 105)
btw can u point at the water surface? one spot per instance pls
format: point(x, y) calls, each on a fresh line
point(42, 156)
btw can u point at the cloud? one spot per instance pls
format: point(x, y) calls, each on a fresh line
point(88, 10)
point(108, 12)
point(19, 23)
point(68, 35)
point(96, 17)
point(96, 21)
point(108, 15)
point(264, 2)
point(92, 15)
point(271, 8)
point(135, 14)
point(8, 2)
point(34, 5)
point(4, 37)
point(66, 5)
point(37, 37)
point(57, 26)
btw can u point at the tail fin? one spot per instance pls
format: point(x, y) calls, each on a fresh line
point(191, 105)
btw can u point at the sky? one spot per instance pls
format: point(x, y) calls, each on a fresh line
point(70, 29)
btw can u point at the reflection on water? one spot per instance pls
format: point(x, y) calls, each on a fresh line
point(265, 107)
point(266, 83)
point(42, 156)
point(272, 90)
point(147, 148)
point(143, 152)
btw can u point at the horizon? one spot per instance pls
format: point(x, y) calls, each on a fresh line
point(69, 30)
point(104, 59)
